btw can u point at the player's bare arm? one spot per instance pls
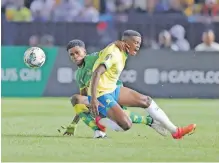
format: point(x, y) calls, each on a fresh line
point(76, 119)
point(94, 82)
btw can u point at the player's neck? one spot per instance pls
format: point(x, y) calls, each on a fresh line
point(82, 64)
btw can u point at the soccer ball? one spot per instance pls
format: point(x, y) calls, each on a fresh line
point(34, 57)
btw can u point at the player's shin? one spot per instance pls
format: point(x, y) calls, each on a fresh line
point(86, 117)
point(158, 114)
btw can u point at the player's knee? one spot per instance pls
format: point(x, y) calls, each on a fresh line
point(125, 124)
point(145, 101)
point(75, 99)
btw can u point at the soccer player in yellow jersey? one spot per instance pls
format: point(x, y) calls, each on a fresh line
point(85, 63)
point(106, 97)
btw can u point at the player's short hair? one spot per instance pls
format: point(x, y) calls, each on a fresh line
point(130, 33)
point(74, 43)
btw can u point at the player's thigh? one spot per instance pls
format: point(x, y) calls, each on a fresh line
point(116, 114)
point(79, 99)
point(113, 111)
point(132, 98)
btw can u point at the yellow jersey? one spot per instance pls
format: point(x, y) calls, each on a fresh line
point(114, 61)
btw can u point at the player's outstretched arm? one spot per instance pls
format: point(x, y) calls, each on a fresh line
point(76, 119)
point(71, 128)
point(94, 82)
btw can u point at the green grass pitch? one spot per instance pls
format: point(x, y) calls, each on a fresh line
point(29, 133)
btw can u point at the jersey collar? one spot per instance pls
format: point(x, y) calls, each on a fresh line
point(82, 66)
point(126, 54)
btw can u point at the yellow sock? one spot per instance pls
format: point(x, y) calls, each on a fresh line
point(80, 108)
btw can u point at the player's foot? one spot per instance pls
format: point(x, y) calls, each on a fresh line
point(182, 131)
point(99, 134)
point(159, 128)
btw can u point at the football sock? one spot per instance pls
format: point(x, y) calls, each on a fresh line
point(85, 116)
point(136, 118)
point(124, 108)
point(158, 114)
point(88, 120)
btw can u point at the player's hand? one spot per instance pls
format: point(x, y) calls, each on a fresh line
point(68, 130)
point(122, 45)
point(94, 107)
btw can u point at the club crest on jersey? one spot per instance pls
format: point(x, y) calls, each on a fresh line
point(109, 56)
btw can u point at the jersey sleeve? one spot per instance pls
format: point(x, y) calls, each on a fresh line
point(79, 83)
point(109, 58)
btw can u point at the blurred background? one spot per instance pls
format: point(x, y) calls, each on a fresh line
point(179, 55)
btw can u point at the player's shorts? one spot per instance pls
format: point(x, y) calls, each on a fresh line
point(108, 100)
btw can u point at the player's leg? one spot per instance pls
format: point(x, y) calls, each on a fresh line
point(148, 120)
point(135, 118)
point(120, 117)
point(114, 112)
point(80, 104)
point(136, 99)
point(138, 119)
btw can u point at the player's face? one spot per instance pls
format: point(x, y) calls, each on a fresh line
point(77, 54)
point(134, 44)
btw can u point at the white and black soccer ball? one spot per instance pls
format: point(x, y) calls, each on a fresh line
point(34, 57)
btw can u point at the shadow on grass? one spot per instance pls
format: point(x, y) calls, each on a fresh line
point(42, 136)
